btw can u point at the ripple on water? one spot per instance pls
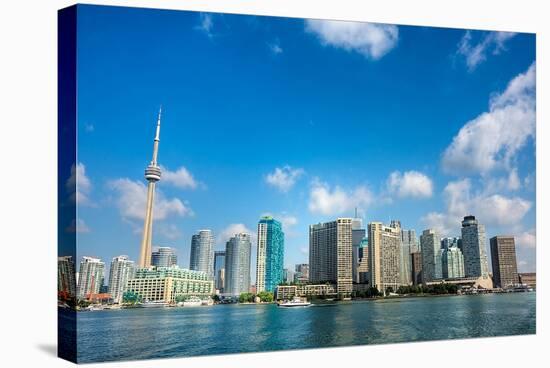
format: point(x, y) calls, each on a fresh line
point(177, 332)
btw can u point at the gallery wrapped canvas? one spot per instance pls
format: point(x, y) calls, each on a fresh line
point(238, 183)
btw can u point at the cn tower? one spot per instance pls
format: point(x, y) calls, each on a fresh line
point(152, 175)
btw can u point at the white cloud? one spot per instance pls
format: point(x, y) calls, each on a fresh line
point(475, 54)
point(288, 221)
point(304, 250)
point(78, 226)
point(368, 39)
point(530, 181)
point(132, 197)
point(326, 201)
point(511, 182)
point(500, 210)
point(169, 231)
point(284, 178)
point(493, 210)
point(180, 178)
point(206, 24)
point(410, 184)
point(527, 239)
point(275, 47)
point(492, 139)
point(233, 229)
point(79, 185)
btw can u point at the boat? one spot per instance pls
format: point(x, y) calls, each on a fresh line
point(207, 302)
point(95, 307)
point(154, 304)
point(296, 302)
point(192, 302)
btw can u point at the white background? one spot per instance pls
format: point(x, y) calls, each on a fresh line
point(28, 123)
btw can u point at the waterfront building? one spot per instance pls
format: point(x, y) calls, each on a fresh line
point(287, 292)
point(91, 277)
point(452, 262)
point(503, 259)
point(473, 248)
point(357, 234)
point(169, 284)
point(164, 257)
point(219, 270)
point(202, 253)
point(301, 274)
point(66, 278)
point(528, 278)
point(409, 244)
point(121, 270)
point(237, 264)
point(152, 175)
point(416, 268)
point(466, 282)
point(384, 254)
point(270, 254)
point(430, 244)
point(330, 254)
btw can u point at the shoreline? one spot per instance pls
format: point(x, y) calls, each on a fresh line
point(314, 302)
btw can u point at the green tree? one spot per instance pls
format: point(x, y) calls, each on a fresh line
point(265, 296)
point(372, 292)
point(130, 297)
point(246, 298)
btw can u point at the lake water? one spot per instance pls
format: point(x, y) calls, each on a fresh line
point(178, 332)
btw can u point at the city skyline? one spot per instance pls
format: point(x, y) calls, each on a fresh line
point(299, 180)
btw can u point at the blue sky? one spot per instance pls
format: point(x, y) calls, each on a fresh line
point(304, 120)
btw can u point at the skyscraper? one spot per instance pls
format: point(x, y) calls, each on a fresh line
point(363, 264)
point(237, 264)
point(301, 274)
point(90, 277)
point(219, 270)
point(122, 269)
point(66, 278)
point(430, 244)
point(384, 255)
point(164, 257)
point(152, 174)
point(270, 256)
point(202, 253)
point(288, 275)
point(473, 248)
point(357, 235)
point(447, 243)
point(503, 259)
point(330, 254)
point(452, 262)
point(416, 268)
point(409, 244)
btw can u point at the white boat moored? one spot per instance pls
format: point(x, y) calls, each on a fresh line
point(296, 302)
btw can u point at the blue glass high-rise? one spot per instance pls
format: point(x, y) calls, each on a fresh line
point(270, 256)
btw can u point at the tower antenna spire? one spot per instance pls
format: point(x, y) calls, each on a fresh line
point(157, 135)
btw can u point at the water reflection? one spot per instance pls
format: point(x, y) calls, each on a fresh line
point(173, 332)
